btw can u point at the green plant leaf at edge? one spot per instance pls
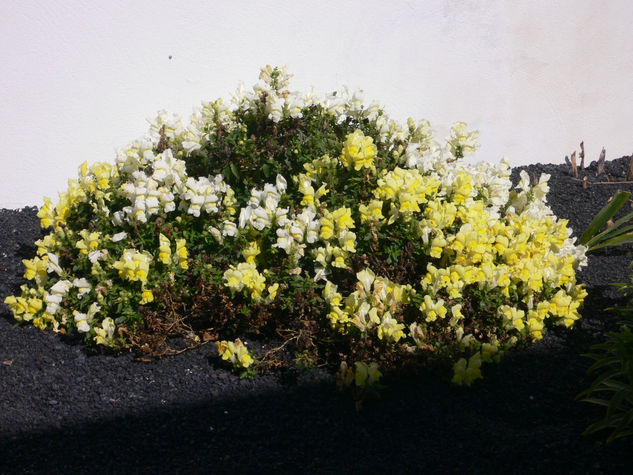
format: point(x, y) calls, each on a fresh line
point(603, 216)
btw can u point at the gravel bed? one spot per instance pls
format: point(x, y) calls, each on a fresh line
point(64, 410)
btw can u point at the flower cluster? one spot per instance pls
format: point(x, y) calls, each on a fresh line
point(286, 215)
point(234, 352)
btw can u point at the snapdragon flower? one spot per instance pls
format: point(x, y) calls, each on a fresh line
point(462, 141)
point(106, 331)
point(466, 372)
point(200, 194)
point(146, 197)
point(56, 294)
point(83, 320)
point(133, 265)
point(359, 151)
point(89, 241)
point(363, 375)
point(245, 276)
point(235, 352)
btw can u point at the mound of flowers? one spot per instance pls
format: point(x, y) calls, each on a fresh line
point(320, 224)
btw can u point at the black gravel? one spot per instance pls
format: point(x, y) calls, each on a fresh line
point(63, 410)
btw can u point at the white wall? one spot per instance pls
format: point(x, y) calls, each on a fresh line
point(79, 78)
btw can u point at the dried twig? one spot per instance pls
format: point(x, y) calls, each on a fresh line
point(584, 180)
point(601, 161)
point(582, 155)
point(574, 167)
point(629, 174)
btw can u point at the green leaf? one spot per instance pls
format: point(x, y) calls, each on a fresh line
point(604, 215)
point(235, 170)
point(610, 232)
point(616, 241)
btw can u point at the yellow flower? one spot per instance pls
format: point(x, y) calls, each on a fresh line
point(245, 276)
point(182, 253)
point(366, 375)
point(344, 376)
point(339, 258)
point(243, 357)
point(327, 227)
point(35, 269)
point(490, 351)
point(146, 297)
point(133, 265)
point(47, 244)
point(465, 372)
point(16, 304)
point(164, 249)
point(359, 151)
point(233, 279)
point(46, 214)
point(371, 212)
point(437, 245)
point(513, 316)
point(432, 310)
point(90, 241)
point(462, 188)
point(338, 317)
point(389, 329)
point(347, 240)
point(251, 251)
point(106, 331)
point(272, 292)
point(235, 352)
point(343, 219)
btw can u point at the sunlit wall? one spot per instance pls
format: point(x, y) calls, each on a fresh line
point(80, 78)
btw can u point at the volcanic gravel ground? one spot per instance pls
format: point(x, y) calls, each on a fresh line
point(64, 410)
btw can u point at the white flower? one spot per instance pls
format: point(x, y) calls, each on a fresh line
point(294, 105)
point(83, 286)
point(108, 326)
point(284, 240)
point(281, 184)
point(229, 228)
point(61, 287)
point(119, 236)
point(81, 322)
point(216, 233)
point(97, 255)
point(245, 216)
point(275, 107)
point(542, 188)
point(366, 278)
point(320, 274)
point(524, 182)
point(117, 218)
point(260, 219)
point(53, 264)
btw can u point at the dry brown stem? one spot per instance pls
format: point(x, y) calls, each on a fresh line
point(601, 161)
point(574, 167)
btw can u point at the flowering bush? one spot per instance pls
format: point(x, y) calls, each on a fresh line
point(357, 241)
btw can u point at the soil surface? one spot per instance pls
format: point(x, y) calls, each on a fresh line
point(64, 410)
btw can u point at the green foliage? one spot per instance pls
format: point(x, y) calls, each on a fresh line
point(616, 233)
point(613, 385)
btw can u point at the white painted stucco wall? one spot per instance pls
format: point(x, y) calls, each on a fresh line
point(80, 78)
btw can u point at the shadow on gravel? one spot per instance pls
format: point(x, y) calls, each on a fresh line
point(521, 419)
